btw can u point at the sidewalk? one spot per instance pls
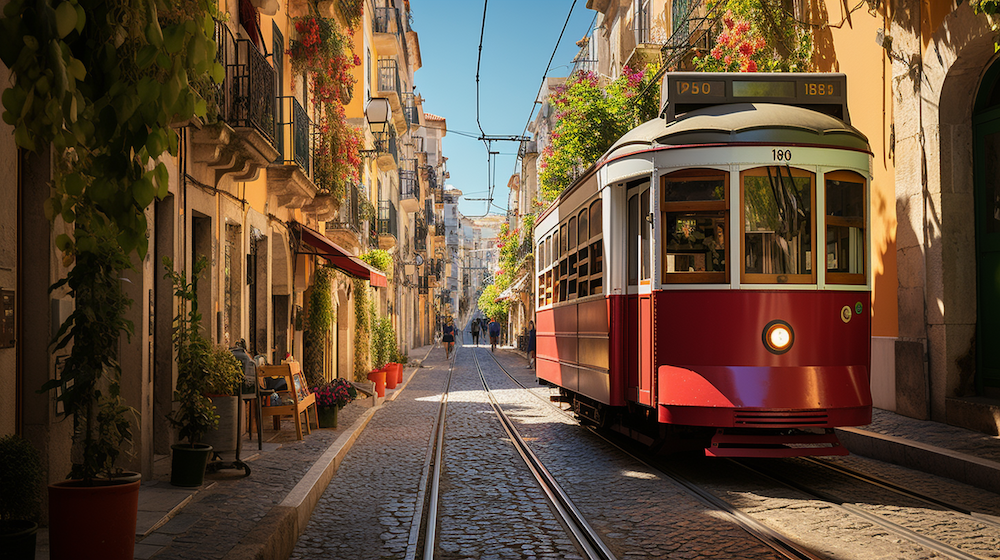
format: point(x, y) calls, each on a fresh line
point(232, 517)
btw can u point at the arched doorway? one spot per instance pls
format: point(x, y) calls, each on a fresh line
point(986, 135)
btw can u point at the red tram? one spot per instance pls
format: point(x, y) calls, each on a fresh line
point(707, 281)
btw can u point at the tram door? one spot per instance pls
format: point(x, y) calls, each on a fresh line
point(639, 307)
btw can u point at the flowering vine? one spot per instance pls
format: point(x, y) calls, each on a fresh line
point(757, 36)
point(326, 54)
point(590, 118)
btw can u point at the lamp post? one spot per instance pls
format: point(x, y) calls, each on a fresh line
point(377, 114)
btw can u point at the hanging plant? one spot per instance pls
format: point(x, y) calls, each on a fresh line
point(338, 152)
point(380, 259)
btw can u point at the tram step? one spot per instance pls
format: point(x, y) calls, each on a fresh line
point(776, 445)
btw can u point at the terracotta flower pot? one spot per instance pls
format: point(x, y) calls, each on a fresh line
point(378, 377)
point(92, 522)
point(390, 376)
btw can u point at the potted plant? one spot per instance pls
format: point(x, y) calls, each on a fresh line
point(225, 375)
point(20, 497)
point(195, 415)
point(89, 388)
point(331, 397)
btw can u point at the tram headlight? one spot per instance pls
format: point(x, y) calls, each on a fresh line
point(778, 337)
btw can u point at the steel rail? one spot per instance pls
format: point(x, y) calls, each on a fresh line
point(580, 530)
point(891, 486)
point(434, 474)
point(767, 536)
point(877, 520)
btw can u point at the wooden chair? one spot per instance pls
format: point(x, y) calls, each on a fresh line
point(297, 392)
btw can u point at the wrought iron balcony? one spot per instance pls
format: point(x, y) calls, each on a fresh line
point(387, 218)
point(348, 217)
point(387, 20)
point(388, 78)
point(294, 139)
point(410, 112)
point(225, 55)
point(408, 186)
point(253, 90)
point(386, 147)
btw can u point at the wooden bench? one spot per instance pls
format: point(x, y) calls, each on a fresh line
point(298, 393)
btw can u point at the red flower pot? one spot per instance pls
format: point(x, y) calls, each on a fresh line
point(390, 376)
point(92, 522)
point(378, 376)
point(399, 372)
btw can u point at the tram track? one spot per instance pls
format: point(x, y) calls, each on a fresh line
point(783, 546)
point(936, 544)
point(585, 537)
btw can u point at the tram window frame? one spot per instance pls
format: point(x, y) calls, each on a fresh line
point(859, 222)
point(583, 254)
point(772, 278)
point(596, 249)
point(713, 209)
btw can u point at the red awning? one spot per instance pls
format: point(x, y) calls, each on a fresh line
point(339, 257)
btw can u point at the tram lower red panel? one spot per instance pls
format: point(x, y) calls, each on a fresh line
point(714, 369)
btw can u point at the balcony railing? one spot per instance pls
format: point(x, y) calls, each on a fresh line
point(408, 186)
point(388, 76)
point(387, 218)
point(294, 126)
point(386, 143)
point(348, 217)
point(254, 90)
point(410, 113)
point(225, 55)
point(386, 20)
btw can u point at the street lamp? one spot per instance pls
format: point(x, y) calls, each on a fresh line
point(377, 114)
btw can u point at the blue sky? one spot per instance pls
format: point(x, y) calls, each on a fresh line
point(517, 44)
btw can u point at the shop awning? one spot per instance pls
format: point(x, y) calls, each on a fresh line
point(339, 258)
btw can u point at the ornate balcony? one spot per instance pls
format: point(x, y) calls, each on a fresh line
point(387, 29)
point(388, 151)
point(387, 226)
point(290, 177)
point(390, 86)
point(344, 228)
point(242, 143)
point(411, 114)
point(409, 189)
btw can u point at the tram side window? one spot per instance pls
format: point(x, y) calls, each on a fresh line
point(694, 209)
point(845, 228)
point(596, 249)
point(778, 226)
point(583, 256)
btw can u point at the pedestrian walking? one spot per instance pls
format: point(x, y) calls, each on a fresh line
point(474, 329)
point(531, 344)
point(494, 334)
point(448, 337)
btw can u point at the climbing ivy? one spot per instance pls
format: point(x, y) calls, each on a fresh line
point(317, 325)
point(362, 338)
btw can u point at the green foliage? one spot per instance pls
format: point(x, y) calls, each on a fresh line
point(317, 325)
point(489, 305)
point(362, 338)
point(102, 83)
point(380, 259)
point(224, 370)
point(20, 480)
point(91, 375)
point(757, 36)
point(195, 415)
point(590, 118)
point(383, 342)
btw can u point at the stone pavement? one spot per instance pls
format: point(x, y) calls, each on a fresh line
point(262, 516)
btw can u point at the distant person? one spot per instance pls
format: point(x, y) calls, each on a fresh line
point(474, 329)
point(448, 337)
point(531, 344)
point(494, 334)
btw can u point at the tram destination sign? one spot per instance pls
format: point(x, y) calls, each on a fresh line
point(686, 91)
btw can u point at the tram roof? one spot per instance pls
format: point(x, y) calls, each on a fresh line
point(741, 123)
